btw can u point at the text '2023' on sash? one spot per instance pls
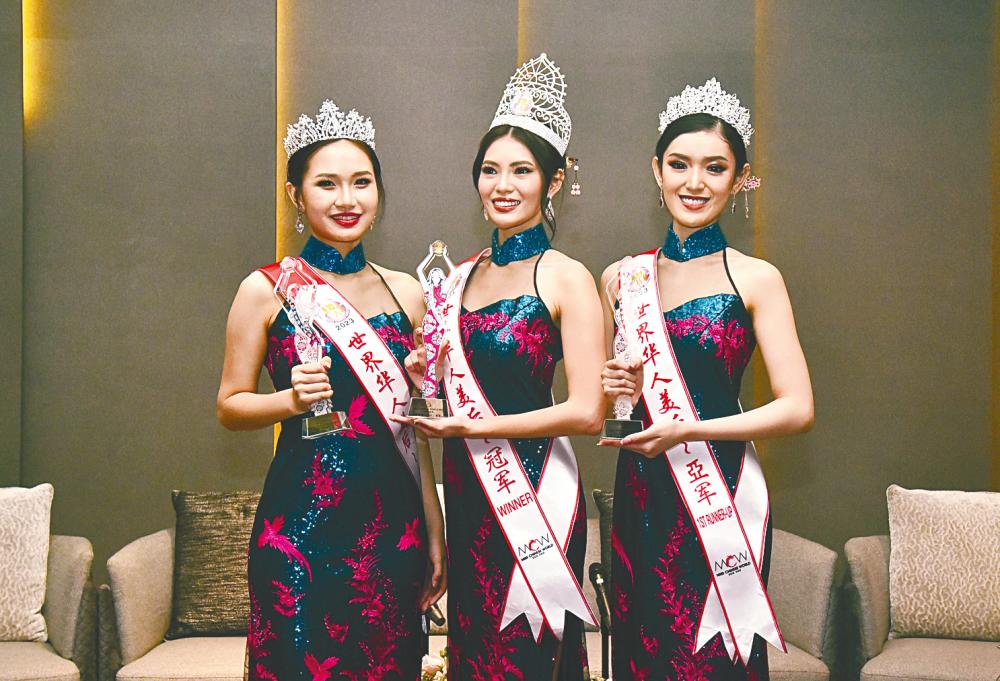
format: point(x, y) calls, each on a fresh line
point(536, 525)
point(731, 529)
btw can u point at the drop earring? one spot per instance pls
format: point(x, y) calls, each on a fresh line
point(299, 227)
point(574, 165)
point(751, 184)
point(549, 213)
point(662, 202)
point(485, 216)
point(732, 209)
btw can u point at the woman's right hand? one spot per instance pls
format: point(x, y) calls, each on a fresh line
point(622, 378)
point(310, 384)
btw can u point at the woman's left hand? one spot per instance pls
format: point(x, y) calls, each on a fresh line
point(656, 439)
point(448, 426)
point(416, 362)
point(436, 580)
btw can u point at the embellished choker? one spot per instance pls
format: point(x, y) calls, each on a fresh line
point(326, 257)
point(520, 246)
point(702, 242)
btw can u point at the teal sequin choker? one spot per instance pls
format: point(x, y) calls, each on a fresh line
point(706, 240)
point(522, 245)
point(326, 257)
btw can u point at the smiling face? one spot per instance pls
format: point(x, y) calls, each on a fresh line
point(698, 176)
point(339, 196)
point(510, 185)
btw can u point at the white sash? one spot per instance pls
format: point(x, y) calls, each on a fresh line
point(536, 525)
point(732, 532)
point(370, 359)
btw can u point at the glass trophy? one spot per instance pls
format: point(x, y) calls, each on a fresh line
point(432, 273)
point(622, 425)
point(298, 299)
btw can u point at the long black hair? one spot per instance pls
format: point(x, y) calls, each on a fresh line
point(548, 159)
point(298, 164)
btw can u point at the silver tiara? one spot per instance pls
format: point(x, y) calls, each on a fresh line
point(710, 98)
point(533, 100)
point(330, 123)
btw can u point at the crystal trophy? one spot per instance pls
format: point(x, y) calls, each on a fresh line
point(622, 425)
point(432, 273)
point(298, 299)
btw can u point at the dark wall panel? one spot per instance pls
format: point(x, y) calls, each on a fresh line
point(11, 232)
point(147, 199)
point(874, 124)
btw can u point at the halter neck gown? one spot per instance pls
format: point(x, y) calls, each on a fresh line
point(338, 550)
point(659, 574)
point(513, 347)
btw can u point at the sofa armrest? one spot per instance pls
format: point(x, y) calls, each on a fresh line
point(70, 560)
point(801, 587)
point(142, 575)
point(868, 560)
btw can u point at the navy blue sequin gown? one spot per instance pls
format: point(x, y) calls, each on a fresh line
point(513, 347)
point(337, 555)
point(658, 569)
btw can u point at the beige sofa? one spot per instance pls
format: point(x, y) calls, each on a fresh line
point(887, 658)
point(70, 616)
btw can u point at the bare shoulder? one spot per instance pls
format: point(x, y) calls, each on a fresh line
point(404, 286)
point(256, 289)
point(756, 278)
point(568, 271)
point(610, 274)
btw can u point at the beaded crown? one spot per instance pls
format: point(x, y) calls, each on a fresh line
point(534, 100)
point(710, 98)
point(330, 123)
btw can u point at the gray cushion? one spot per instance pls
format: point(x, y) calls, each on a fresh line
point(210, 563)
point(796, 665)
point(800, 587)
point(933, 659)
point(218, 658)
point(34, 661)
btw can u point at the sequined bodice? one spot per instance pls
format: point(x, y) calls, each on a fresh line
point(513, 346)
point(712, 338)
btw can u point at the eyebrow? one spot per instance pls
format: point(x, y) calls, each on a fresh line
point(515, 163)
point(335, 175)
point(710, 158)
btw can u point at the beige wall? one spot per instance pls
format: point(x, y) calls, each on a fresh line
point(10, 241)
point(150, 184)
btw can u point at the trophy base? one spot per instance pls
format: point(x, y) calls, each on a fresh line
point(427, 408)
point(320, 425)
point(619, 429)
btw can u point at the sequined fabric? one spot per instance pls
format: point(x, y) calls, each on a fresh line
point(706, 240)
point(513, 347)
point(659, 575)
point(520, 246)
point(338, 550)
point(326, 257)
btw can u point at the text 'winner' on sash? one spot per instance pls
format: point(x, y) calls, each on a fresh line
point(366, 354)
point(536, 525)
point(731, 529)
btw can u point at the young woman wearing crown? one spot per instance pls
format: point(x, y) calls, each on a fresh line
point(347, 549)
point(692, 533)
point(517, 518)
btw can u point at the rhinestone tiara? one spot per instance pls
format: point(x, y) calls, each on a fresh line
point(710, 98)
point(330, 123)
point(533, 100)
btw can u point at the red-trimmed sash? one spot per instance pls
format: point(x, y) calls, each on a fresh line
point(536, 525)
point(367, 355)
point(732, 532)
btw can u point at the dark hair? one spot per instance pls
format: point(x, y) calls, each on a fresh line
point(298, 164)
point(548, 159)
point(700, 122)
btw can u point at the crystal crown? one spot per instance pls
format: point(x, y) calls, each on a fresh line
point(710, 98)
point(330, 123)
point(533, 100)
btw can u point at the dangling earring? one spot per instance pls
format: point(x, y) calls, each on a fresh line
point(661, 197)
point(749, 185)
point(574, 164)
point(549, 213)
point(299, 227)
point(485, 216)
point(733, 207)
point(746, 205)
